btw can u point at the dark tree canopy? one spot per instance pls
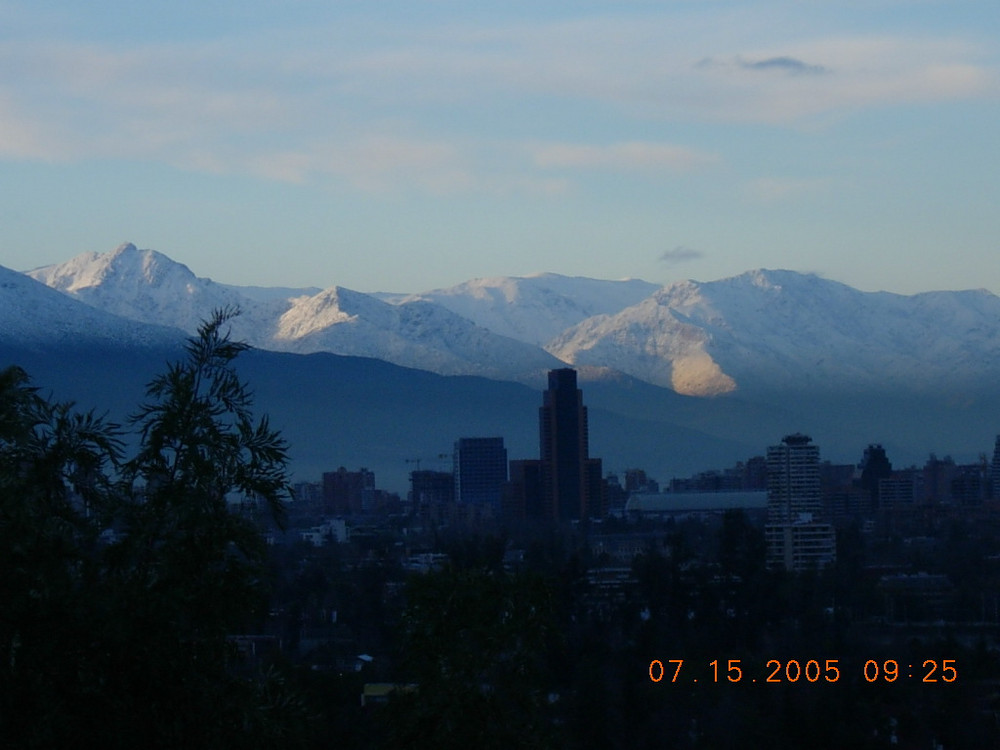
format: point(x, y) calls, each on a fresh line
point(121, 577)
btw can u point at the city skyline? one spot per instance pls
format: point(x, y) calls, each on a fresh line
point(396, 150)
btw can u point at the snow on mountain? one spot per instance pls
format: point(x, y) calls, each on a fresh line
point(535, 309)
point(650, 343)
point(761, 330)
point(782, 329)
point(414, 334)
point(32, 313)
point(148, 286)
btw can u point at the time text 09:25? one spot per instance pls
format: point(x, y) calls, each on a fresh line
point(794, 670)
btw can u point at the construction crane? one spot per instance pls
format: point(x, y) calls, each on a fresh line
point(416, 461)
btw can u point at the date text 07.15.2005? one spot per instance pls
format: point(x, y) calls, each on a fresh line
point(793, 670)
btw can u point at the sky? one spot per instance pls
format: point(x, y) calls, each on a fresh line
point(407, 146)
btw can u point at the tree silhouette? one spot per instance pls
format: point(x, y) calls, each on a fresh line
point(122, 578)
point(54, 494)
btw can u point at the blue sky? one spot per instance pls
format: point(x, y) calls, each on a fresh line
point(402, 146)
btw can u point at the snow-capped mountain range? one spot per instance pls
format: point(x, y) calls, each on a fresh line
point(781, 330)
point(535, 309)
point(147, 286)
point(761, 330)
point(728, 366)
point(33, 314)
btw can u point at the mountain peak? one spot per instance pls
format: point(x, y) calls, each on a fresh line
point(125, 247)
point(126, 265)
point(770, 278)
point(140, 284)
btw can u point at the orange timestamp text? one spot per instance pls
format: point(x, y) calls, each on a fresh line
point(795, 670)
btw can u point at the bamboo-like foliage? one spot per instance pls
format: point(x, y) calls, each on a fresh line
point(122, 577)
point(198, 429)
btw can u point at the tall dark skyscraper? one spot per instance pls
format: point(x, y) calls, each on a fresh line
point(571, 480)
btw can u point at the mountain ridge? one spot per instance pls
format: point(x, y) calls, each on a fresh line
point(761, 332)
point(147, 286)
point(915, 373)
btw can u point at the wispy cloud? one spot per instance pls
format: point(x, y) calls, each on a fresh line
point(20, 136)
point(779, 189)
point(374, 164)
point(680, 254)
point(784, 64)
point(387, 109)
point(629, 156)
point(846, 74)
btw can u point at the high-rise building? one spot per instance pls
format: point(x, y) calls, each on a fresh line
point(522, 495)
point(480, 470)
point(432, 493)
point(899, 491)
point(571, 479)
point(793, 488)
point(874, 467)
point(796, 535)
point(348, 492)
point(995, 470)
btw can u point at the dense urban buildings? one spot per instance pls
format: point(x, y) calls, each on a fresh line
point(692, 562)
point(348, 492)
point(995, 469)
point(432, 493)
